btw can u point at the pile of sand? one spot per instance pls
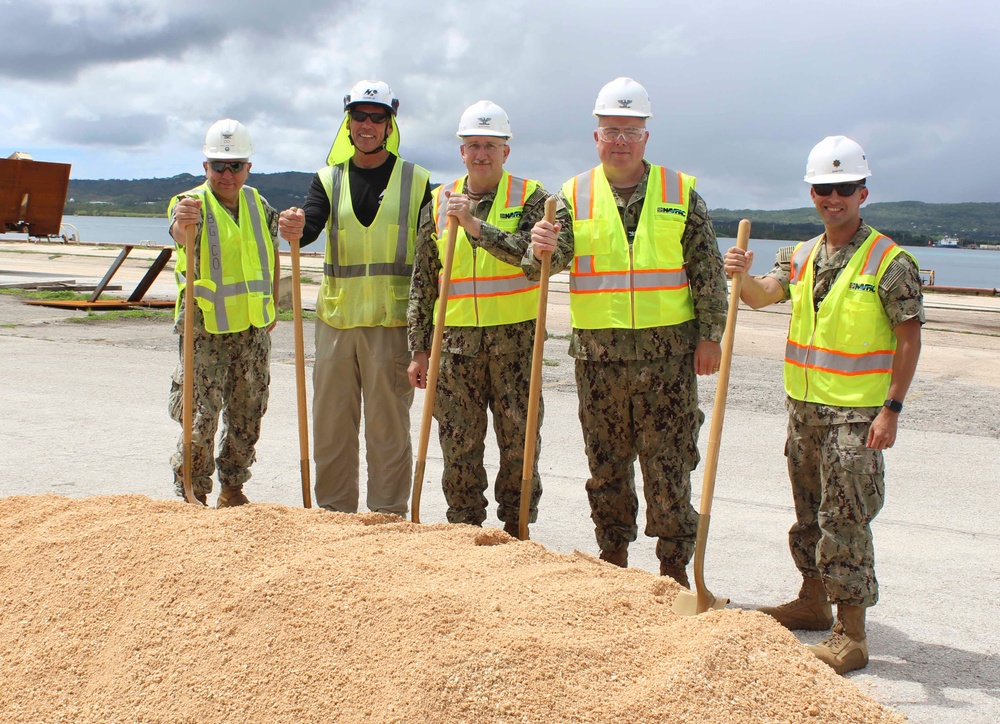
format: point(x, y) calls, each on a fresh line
point(130, 609)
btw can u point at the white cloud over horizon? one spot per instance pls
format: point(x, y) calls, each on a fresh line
point(740, 92)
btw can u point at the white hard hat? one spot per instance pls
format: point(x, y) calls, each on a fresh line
point(623, 97)
point(484, 118)
point(836, 159)
point(372, 91)
point(227, 139)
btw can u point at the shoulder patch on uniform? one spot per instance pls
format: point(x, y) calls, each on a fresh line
point(785, 253)
point(892, 275)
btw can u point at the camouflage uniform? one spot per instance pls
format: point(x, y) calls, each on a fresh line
point(482, 367)
point(838, 483)
point(639, 397)
point(232, 375)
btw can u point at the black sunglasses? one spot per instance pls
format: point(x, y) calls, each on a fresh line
point(221, 166)
point(844, 190)
point(376, 117)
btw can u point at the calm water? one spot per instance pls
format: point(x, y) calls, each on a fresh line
point(952, 267)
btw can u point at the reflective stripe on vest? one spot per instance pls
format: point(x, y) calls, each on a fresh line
point(485, 291)
point(216, 300)
point(841, 355)
point(644, 284)
point(366, 271)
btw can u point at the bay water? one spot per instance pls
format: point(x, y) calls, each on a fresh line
point(952, 267)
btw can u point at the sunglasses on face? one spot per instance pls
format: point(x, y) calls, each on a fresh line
point(221, 166)
point(376, 117)
point(844, 190)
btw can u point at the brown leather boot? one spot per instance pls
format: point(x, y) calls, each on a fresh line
point(513, 529)
point(846, 648)
point(231, 496)
point(617, 557)
point(678, 573)
point(811, 611)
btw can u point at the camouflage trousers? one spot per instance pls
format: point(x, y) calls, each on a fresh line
point(231, 379)
point(467, 386)
point(838, 485)
point(646, 409)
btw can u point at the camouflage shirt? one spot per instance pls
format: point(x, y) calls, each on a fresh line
point(511, 247)
point(899, 290)
point(703, 264)
point(272, 226)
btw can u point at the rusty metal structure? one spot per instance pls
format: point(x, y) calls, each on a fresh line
point(32, 195)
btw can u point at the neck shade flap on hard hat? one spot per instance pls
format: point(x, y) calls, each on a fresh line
point(342, 148)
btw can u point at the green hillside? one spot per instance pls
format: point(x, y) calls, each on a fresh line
point(149, 197)
point(907, 222)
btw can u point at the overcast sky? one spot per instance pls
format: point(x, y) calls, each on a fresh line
point(740, 90)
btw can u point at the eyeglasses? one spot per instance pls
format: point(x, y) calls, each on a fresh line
point(631, 135)
point(376, 117)
point(490, 148)
point(845, 190)
point(221, 166)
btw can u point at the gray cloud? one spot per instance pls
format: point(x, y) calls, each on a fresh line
point(740, 92)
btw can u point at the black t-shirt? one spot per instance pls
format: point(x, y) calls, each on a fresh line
point(367, 187)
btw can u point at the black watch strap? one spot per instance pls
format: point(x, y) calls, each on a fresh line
point(894, 405)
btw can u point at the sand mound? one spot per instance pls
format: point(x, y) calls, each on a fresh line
point(128, 609)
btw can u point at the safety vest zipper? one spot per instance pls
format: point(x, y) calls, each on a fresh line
point(631, 281)
point(475, 292)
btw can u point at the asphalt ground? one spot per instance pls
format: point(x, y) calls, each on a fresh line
point(84, 412)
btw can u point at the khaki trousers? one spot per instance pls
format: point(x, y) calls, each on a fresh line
point(357, 369)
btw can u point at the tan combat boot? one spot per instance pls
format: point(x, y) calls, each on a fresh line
point(846, 648)
point(678, 573)
point(811, 611)
point(231, 496)
point(617, 557)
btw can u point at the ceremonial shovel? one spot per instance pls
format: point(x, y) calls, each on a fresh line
point(300, 376)
point(535, 389)
point(432, 368)
point(187, 411)
point(688, 603)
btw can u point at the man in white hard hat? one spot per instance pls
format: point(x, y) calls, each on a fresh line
point(235, 272)
point(490, 318)
point(369, 201)
point(852, 350)
point(648, 308)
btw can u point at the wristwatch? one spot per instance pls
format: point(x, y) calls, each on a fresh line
point(894, 405)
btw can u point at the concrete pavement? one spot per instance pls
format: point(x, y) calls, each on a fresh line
point(84, 413)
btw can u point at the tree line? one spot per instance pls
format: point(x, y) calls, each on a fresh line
point(912, 223)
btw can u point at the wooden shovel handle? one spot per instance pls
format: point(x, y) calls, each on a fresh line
point(705, 598)
point(433, 366)
point(300, 376)
point(535, 388)
point(187, 410)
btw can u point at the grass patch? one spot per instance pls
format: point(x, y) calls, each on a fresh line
point(119, 314)
point(550, 362)
point(35, 294)
point(287, 315)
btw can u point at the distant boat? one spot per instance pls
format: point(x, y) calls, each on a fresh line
point(948, 242)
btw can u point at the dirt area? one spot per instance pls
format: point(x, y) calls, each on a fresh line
point(129, 609)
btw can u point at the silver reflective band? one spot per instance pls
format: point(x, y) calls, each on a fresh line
point(640, 281)
point(491, 287)
point(879, 362)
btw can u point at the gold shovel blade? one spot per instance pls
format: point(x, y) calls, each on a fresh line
point(687, 603)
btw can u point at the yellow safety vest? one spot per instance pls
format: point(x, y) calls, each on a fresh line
point(366, 273)
point(842, 354)
point(631, 286)
point(484, 291)
point(234, 284)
